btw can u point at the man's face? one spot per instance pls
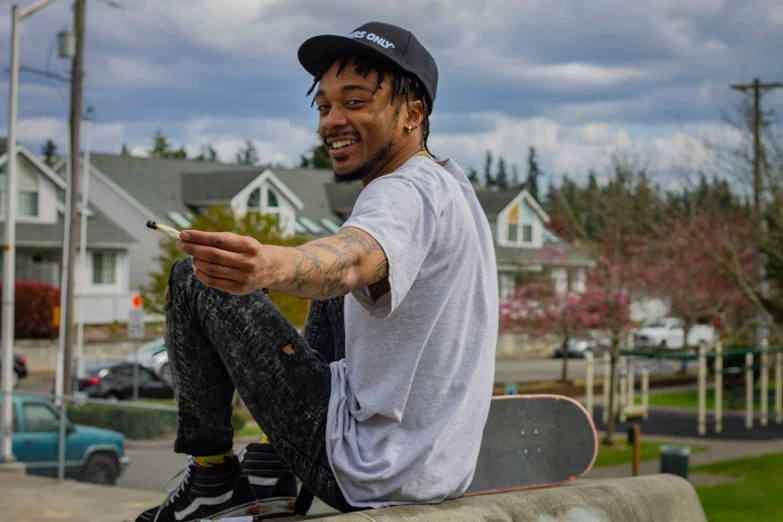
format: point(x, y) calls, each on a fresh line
point(358, 128)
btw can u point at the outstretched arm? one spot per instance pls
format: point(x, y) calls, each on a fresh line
point(322, 269)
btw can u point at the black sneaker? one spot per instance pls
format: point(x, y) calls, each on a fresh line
point(273, 481)
point(206, 492)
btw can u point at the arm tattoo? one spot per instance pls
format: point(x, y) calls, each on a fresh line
point(321, 269)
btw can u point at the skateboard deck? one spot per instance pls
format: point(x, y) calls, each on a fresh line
point(529, 441)
point(533, 441)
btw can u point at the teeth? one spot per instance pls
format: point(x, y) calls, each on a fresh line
point(342, 143)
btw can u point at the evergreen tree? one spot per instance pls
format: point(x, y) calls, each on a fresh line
point(533, 172)
point(316, 158)
point(501, 181)
point(247, 155)
point(162, 148)
point(489, 181)
point(49, 153)
point(515, 183)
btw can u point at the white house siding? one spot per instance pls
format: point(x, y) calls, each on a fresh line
point(103, 303)
point(526, 214)
point(132, 220)
point(285, 210)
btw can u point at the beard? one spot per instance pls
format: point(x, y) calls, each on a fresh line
point(366, 170)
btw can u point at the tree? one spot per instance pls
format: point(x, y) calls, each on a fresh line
point(49, 153)
point(263, 228)
point(698, 289)
point(316, 157)
point(501, 180)
point(533, 172)
point(162, 148)
point(515, 183)
point(208, 153)
point(539, 307)
point(489, 181)
point(125, 151)
point(247, 155)
point(473, 175)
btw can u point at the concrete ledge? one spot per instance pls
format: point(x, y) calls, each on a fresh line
point(13, 467)
point(652, 498)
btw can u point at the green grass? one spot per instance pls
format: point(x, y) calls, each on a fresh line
point(757, 497)
point(250, 430)
point(622, 453)
point(690, 399)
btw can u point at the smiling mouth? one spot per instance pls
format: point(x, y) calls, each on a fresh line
point(339, 144)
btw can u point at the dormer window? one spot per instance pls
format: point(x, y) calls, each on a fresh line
point(264, 200)
point(520, 225)
point(28, 190)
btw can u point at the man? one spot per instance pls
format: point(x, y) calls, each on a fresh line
point(382, 399)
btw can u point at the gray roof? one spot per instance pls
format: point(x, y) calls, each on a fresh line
point(154, 182)
point(102, 232)
point(342, 197)
point(200, 188)
point(493, 202)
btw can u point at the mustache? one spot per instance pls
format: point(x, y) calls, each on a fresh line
point(340, 134)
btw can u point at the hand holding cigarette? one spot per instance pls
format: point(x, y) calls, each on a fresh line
point(236, 264)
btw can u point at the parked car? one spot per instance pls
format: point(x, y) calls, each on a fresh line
point(593, 341)
point(667, 333)
point(153, 355)
point(114, 380)
point(20, 369)
point(91, 454)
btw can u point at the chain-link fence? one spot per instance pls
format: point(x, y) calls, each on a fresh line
point(86, 439)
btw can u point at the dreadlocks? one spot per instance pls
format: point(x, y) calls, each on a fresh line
point(402, 85)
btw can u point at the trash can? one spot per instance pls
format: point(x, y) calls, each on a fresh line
point(674, 460)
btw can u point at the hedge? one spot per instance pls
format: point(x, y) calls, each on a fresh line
point(34, 310)
point(135, 423)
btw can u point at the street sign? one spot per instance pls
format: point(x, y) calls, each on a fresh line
point(136, 324)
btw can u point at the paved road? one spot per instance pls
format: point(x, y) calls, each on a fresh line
point(506, 370)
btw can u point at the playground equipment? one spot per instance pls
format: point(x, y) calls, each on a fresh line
point(625, 406)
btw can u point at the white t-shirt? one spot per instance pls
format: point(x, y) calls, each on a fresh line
point(410, 399)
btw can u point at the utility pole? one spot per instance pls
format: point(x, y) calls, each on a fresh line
point(77, 75)
point(758, 89)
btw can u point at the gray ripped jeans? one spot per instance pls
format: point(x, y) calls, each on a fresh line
point(217, 342)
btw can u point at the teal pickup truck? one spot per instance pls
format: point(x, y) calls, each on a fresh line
point(91, 454)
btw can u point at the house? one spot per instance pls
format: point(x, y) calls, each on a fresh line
point(131, 190)
point(99, 285)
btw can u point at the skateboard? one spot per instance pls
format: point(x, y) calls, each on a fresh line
point(529, 441)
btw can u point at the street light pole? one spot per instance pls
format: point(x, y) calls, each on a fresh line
point(9, 245)
point(82, 277)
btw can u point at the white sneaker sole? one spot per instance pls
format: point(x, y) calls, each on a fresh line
point(269, 507)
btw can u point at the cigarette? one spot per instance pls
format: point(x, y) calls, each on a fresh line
point(160, 227)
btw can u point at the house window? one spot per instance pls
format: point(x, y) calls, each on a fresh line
point(513, 225)
point(271, 199)
point(254, 201)
point(104, 268)
point(28, 191)
point(527, 233)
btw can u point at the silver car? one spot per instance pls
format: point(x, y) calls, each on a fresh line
point(153, 355)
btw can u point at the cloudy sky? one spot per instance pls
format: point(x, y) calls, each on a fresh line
point(577, 79)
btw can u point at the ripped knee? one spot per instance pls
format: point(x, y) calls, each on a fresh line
point(288, 350)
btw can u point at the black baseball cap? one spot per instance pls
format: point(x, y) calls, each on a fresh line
point(385, 41)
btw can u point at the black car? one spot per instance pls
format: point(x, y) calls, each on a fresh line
point(114, 380)
point(20, 369)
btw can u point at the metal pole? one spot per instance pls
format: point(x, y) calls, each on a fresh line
point(702, 421)
point(589, 383)
point(749, 390)
point(136, 370)
point(9, 247)
point(61, 443)
point(645, 392)
point(719, 387)
point(764, 383)
point(81, 278)
point(607, 380)
point(631, 384)
point(64, 282)
point(779, 386)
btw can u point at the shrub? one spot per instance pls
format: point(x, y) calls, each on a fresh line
point(238, 419)
point(135, 423)
point(34, 310)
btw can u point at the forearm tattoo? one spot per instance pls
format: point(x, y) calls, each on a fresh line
point(322, 267)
